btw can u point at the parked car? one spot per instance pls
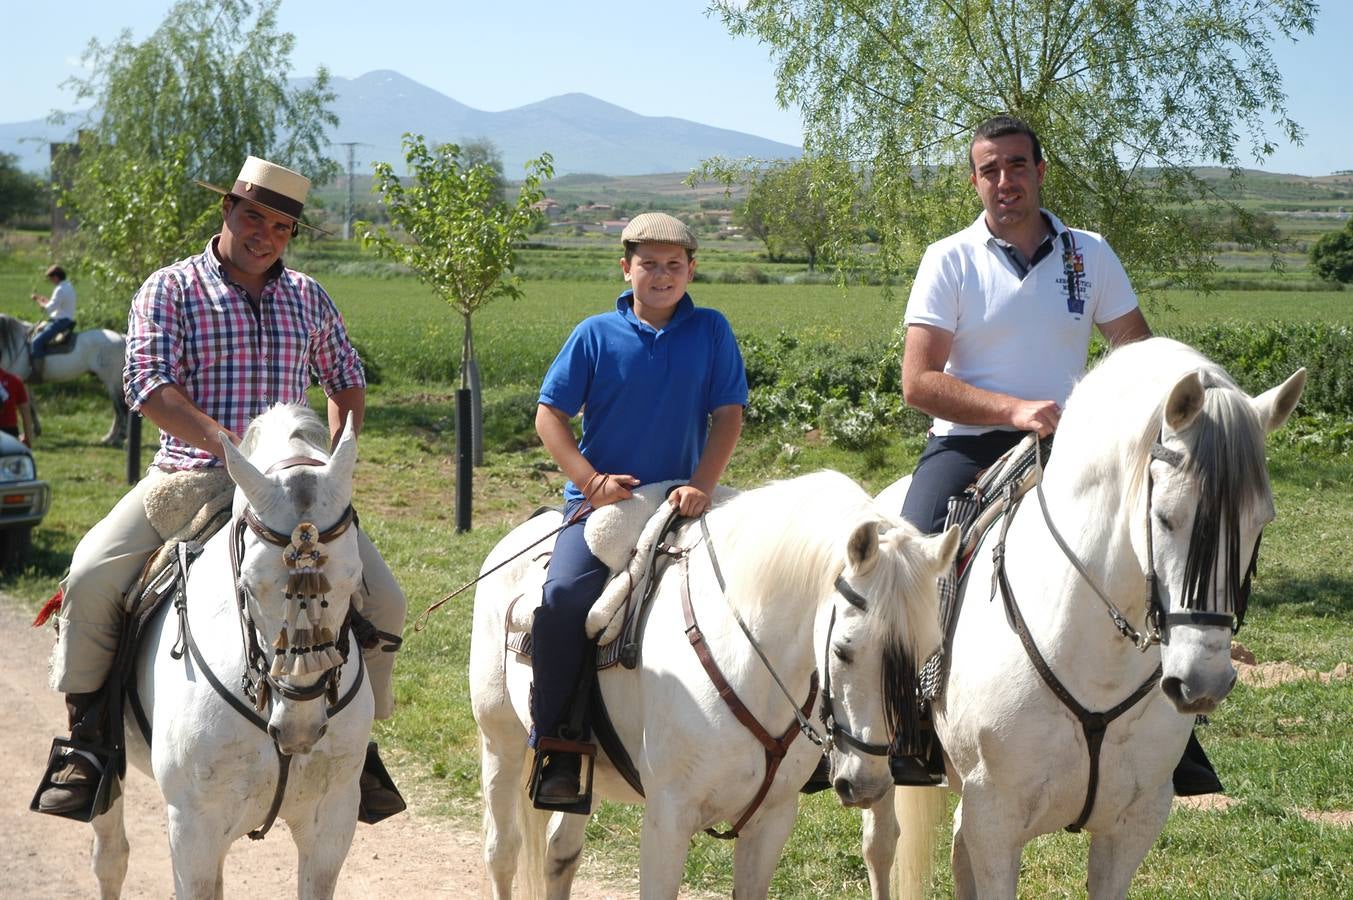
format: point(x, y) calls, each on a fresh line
point(24, 500)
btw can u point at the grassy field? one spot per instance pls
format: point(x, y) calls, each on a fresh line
point(1283, 750)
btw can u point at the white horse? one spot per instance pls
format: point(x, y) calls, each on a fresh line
point(217, 752)
point(803, 562)
point(97, 351)
point(1157, 477)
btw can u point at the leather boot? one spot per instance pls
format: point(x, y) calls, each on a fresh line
point(560, 779)
point(73, 785)
point(380, 798)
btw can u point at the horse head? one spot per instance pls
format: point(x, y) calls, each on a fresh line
point(883, 624)
point(1207, 501)
point(296, 560)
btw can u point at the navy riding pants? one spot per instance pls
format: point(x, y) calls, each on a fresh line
point(47, 334)
point(558, 637)
point(948, 465)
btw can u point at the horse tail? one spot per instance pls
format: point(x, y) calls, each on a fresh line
point(920, 812)
point(531, 860)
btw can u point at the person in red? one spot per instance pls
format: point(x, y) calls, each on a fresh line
point(14, 406)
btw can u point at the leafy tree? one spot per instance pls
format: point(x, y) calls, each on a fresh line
point(1332, 256)
point(457, 235)
point(1125, 94)
point(21, 194)
point(207, 89)
point(482, 150)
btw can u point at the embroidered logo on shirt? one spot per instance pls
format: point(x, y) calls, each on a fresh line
point(1073, 267)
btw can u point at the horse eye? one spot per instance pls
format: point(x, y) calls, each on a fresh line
point(845, 654)
point(1164, 522)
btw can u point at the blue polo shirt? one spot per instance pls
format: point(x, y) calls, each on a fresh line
point(646, 394)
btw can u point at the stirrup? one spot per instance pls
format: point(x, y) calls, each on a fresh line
point(106, 789)
point(588, 751)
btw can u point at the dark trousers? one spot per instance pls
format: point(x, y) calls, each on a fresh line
point(559, 642)
point(47, 334)
point(947, 466)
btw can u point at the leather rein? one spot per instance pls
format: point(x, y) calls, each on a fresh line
point(256, 683)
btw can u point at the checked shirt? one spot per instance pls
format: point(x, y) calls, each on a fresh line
point(190, 325)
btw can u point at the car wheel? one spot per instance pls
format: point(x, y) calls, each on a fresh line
point(15, 544)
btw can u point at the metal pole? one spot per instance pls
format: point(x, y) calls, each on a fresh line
point(133, 447)
point(464, 460)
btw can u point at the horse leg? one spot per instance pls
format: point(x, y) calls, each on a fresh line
point(1115, 855)
point(117, 432)
point(985, 839)
point(663, 843)
point(322, 843)
point(563, 851)
point(197, 847)
point(757, 849)
point(880, 833)
point(110, 850)
point(500, 775)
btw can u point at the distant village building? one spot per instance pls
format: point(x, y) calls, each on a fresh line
point(614, 226)
point(548, 207)
point(594, 207)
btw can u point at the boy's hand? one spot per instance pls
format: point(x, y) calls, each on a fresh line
point(603, 490)
point(689, 500)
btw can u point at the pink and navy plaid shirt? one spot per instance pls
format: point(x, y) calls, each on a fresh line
point(190, 325)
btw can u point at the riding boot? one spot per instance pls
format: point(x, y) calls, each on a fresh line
point(560, 779)
point(916, 759)
point(820, 780)
point(380, 798)
point(72, 786)
point(1194, 774)
point(35, 370)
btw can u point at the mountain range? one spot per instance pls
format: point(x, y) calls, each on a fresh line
point(582, 133)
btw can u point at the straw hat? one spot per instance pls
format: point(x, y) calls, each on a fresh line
point(271, 186)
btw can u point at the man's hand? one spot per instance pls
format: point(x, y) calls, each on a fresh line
point(689, 500)
point(1040, 416)
point(603, 490)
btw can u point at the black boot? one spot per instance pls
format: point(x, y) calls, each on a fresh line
point(72, 786)
point(380, 798)
point(560, 779)
point(1194, 775)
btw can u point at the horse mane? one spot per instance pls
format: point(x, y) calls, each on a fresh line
point(290, 427)
point(787, 542)
point(13, 336)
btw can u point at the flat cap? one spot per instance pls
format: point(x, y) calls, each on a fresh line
point(658, 228)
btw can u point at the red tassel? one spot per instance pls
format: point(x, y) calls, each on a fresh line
point(48, 608)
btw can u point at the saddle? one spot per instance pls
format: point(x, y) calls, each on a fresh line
point(64, 342)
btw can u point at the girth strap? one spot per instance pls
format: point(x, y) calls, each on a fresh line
point(1093, 724)
point(775, 748)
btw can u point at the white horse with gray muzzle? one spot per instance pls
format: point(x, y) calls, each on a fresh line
point(1097, 623)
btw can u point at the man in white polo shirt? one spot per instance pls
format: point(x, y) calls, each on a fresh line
point(998, 331)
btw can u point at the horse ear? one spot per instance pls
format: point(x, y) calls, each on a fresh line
point(941, 548)
point(862, 549)
point(1275, 404)
point(344, 457)
point(257, 488)
point(1185, 402)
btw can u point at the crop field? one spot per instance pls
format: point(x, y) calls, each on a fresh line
point(1283, 746)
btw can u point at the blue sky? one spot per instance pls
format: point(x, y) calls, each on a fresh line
point(459, 48)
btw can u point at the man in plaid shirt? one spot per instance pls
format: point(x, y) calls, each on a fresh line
point(213, 341)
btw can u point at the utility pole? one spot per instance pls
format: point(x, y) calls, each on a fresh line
point(347, 217)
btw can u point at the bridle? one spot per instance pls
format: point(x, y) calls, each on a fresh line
point(838, 732)
point(266, 678)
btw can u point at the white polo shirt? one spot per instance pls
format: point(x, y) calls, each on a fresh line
point(1022, 336)
point(62, 302)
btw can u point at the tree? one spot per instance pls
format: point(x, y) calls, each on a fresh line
point(458, 236)
point(207, 89)
point(21, 194)
point(1126, 94)
point(1332, 256)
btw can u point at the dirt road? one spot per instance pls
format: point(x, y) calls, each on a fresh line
point(408, 856)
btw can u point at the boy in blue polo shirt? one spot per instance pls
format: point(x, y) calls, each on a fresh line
point(663, 388)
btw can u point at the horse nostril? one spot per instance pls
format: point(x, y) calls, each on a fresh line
point(1173, 688)
point(273, 732)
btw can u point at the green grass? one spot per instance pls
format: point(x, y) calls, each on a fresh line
point(1280, 749)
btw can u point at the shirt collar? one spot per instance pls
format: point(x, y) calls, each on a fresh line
point(624, 304)
point(983, 231)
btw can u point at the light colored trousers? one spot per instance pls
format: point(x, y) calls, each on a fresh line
point(110, 557)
